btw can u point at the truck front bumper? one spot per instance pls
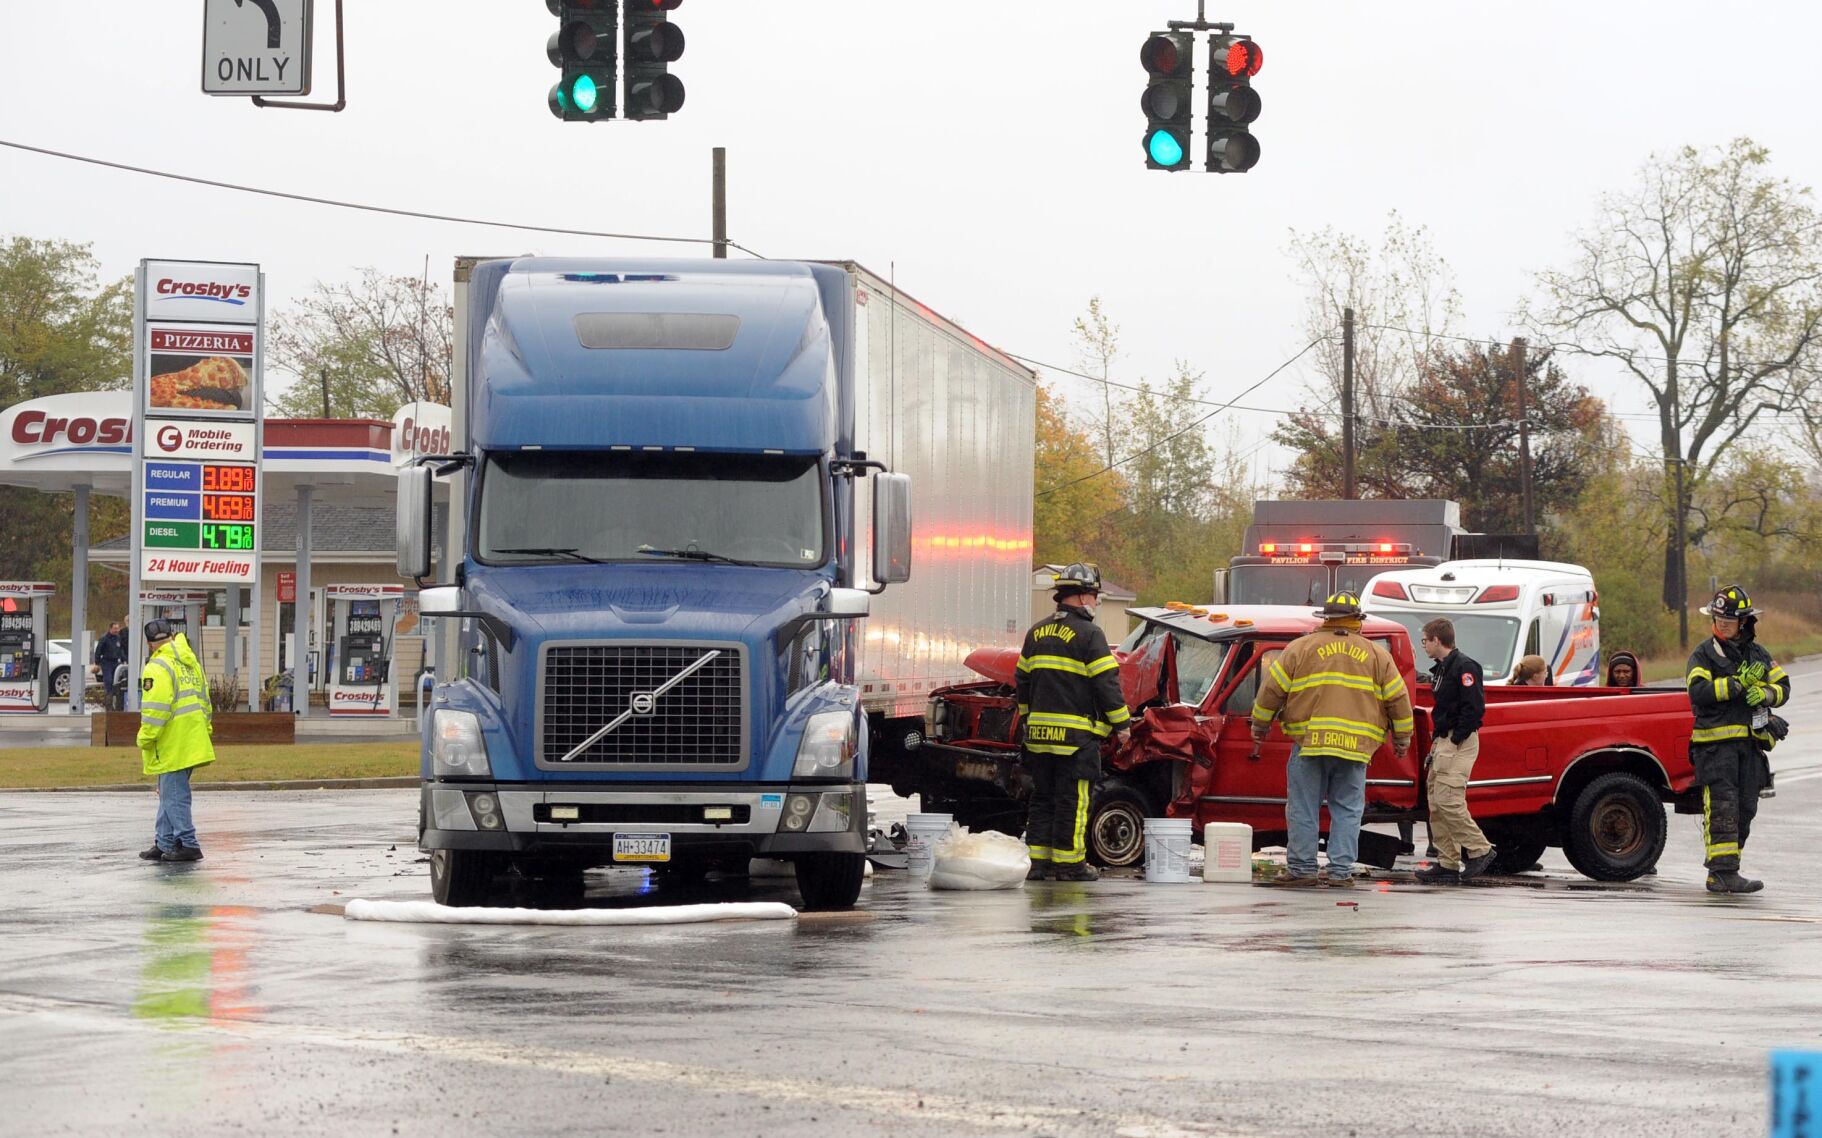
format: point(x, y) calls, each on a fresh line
point(705, 819)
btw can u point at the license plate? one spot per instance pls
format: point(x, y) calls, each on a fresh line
point(642, 847)
point(980, 770)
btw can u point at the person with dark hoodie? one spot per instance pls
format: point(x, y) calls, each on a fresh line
point(1623, 670)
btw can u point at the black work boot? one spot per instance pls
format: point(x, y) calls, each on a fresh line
point(1730, 881)
point(1039, 871)
point(1438, 875)
point(1472, 867)
point(1080, 871)
point(153, 854)
point(184, 853)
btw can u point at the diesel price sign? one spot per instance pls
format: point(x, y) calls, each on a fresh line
point(201, 522)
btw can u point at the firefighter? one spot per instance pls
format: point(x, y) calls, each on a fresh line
point(175, 725)
point(1733, 685)
point(1069, 703)
point(1339, 695)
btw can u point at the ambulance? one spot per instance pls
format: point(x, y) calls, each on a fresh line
point(1503, 611)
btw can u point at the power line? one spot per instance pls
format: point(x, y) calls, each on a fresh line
point(1564, 345)
point(1171, 438)
point(338, 204)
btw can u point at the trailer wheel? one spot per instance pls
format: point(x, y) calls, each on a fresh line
point(1116, 824)
point(464, 878)
point(1616, 828)
point(830, 881)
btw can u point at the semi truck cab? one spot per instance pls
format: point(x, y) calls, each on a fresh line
point(659, 584)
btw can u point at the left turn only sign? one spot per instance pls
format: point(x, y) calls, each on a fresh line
point(256, 47)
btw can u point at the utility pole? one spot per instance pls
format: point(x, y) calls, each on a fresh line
point(1519, 365)
point(1682, 560)
point(721, 203)
point(322, 373)
point(1347, 404)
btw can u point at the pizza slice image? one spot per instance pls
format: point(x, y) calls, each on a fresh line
point(215, 384)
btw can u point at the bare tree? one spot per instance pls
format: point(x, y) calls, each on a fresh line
point(1403, 296)
point(1703, 282)
point(365, 348)
point(1097, 346)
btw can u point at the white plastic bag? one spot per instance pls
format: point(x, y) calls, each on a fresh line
point(979, 861)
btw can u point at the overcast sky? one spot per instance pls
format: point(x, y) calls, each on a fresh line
point(988, 151)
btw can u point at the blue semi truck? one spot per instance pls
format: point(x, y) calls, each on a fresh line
point(673, 648)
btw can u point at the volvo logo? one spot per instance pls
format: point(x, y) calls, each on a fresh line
point(644, 703)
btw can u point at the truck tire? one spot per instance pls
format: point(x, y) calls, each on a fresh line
point(1116, 824)
point(1616, 828)
point(1517, 847)
point(463, 878)
point(830, 881)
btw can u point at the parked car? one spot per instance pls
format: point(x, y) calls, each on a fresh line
point(57, 659)
point(1588, 769)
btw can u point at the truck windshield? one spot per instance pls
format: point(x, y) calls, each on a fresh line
point(1278, 585)
point(1486, 639)
point(546, 506)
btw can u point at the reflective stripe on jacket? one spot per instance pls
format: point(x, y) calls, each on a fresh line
point(1068, 684)
point(1336, 693)
point(175, 721)
point(1717, 692)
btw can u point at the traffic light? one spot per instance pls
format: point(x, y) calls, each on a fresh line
point(653, 43)
point(1168, 63)
point(1232, 103)
point(583, 46)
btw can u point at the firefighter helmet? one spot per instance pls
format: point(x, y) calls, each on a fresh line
point(158, 629)
point(1078, 577)
point(1340, 605)
point(1731, 603)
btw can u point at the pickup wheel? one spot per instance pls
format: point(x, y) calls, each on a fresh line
point(830, 881)
point(1116, 824)
point(1616, 828)
point(1515, 854)
point(464, 878)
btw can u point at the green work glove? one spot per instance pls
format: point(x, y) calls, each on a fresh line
point(1755, 695)
point(1752, 674)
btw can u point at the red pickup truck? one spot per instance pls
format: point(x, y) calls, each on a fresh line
point(1586, 769)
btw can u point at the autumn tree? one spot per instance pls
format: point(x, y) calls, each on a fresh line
point(61, 331)
point(364, 349)
point(1075, 498)
point(1704, 282)
point(1455, 434)
point(1097, 346)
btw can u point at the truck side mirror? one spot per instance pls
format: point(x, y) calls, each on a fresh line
point(1220, 595)
point(414, 521)
point(891, 528)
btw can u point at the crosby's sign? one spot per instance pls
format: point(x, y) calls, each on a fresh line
point(419, 429)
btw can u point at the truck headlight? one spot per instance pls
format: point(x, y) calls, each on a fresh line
point(457, 749)
point(936, 717)
point(828, 747)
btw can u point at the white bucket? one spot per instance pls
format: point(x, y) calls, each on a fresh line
point(1228, 852)
point(924, 831)
point(1167, 842)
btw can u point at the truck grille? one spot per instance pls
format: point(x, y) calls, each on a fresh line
point(696, 724)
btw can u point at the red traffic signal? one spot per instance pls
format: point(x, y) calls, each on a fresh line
point(1242, 59)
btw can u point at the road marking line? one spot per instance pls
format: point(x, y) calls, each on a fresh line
point(875, 1100)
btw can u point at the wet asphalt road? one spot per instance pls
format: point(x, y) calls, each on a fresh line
point(208, 999)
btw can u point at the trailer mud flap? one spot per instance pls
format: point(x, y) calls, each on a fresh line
point(1382, 850)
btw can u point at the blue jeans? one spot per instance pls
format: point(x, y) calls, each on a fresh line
point(1307, 783)
point(175, 826)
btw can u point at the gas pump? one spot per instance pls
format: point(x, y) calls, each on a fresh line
point(24, 628)
point(362, 619)
point(181, 607)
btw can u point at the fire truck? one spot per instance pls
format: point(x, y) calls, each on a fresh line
point(1299, 553)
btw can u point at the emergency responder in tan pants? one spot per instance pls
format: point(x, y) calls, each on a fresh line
point(1458, 687)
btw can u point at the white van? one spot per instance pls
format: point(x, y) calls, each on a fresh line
point(1502, 611)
